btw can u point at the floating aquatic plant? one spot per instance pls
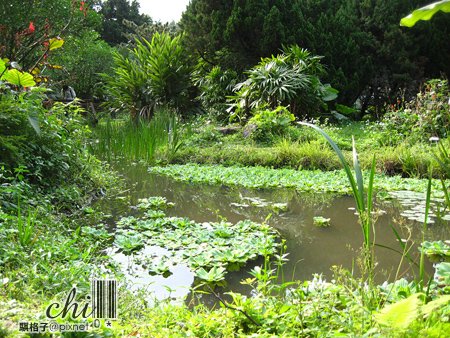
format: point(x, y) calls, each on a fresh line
point(301, 180)
point(154, 202)
point(209, 249)
point(442, 276)
point(260, 203)
point(320, 221)
point(129, 243)
point(436, 251)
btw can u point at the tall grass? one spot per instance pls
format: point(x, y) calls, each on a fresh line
point(158, 138)
point(26, 227)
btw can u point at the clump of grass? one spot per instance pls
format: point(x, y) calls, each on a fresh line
point(26, 228)
point(142, 140)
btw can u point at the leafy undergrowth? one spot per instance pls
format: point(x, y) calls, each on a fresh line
point(303, 180)
point(209, 249)
point(316, 308)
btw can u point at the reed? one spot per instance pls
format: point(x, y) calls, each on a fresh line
point(144, 140)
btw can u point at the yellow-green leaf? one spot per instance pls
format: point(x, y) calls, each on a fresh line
point(19, 78)
point(2, 66)
point(401, 314)
point(55, 43)
point(435, 304)
point(425, 13)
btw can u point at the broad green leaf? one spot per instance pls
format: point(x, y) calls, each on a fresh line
point(329, 93)
point(18, 78)
point(401, 314)
point(425, 13)
point(55, 43)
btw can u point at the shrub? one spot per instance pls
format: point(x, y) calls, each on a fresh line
point(426, 116)
point(83, 58)
point(49, 144)
point(215, 86)
point(267, 123)
point(291, 78)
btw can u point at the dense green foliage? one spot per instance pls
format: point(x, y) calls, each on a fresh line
point(48, 145)
point(215, 86)
point(267, 124)
point(154, 74)
point(428, 115)
point(250, 56)
point(83, 58)
point(209, 249)
point(26, 27)
point(158, 139)
point(114, 13)
point(305, 180)
point(368, 55)
point(290, 79)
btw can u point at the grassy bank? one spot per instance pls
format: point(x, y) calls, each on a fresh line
point(301, 148)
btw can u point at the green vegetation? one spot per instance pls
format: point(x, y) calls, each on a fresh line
point(436, 251)
point(321, 221)
point(305, 180)
point(290, 79)
point(157, 139)
point(152, 75)
point(403, 141)
point(165, 95)
point(425, 13)
point(367, 56)
point(208, 249)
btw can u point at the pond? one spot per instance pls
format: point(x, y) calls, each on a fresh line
point(311, 249)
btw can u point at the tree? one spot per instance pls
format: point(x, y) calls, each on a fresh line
point(114, 13)
point(26, 27)
point(81, 61)
point(367, 55)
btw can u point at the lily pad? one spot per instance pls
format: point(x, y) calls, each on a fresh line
point(209, 249)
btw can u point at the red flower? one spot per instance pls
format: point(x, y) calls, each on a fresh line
point(31, 27)
point(83, 7)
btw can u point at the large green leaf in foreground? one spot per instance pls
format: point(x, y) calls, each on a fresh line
point(425, 13)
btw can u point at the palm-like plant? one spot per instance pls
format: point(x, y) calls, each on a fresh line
point(154, 74)
point(291, 78)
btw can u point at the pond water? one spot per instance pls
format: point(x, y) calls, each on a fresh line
point(311, 249)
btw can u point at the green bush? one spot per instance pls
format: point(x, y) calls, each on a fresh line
point(426, 116)
point(83, 58)
point(267, 123)
point(291, 78)
point(215, 86)
point(48, 143)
